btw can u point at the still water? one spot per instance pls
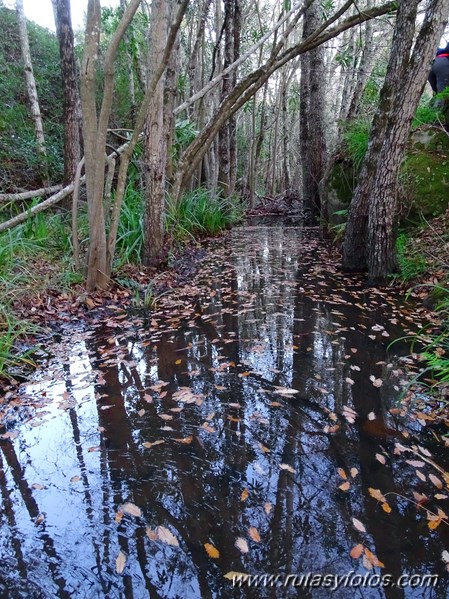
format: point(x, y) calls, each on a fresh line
point(240, 426)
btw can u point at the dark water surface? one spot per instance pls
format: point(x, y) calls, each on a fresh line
point(256, 383)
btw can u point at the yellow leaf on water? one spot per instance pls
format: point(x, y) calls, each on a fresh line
point(357, 551)
point(211, 551)
point(242, 545)
point(380, 458)
point(434, 523)
point(245, 494)
point(386, 508)
point(75, 479)
point(178, 361)
point(345, 486)
point(120, 562)
point(118, 517)
point(354, 472)
point(254, 534)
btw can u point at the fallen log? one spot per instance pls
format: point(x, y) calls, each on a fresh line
point(51, 201)
point(28, 195)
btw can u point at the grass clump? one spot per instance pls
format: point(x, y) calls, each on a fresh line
point(201, 212)
point(411, 262)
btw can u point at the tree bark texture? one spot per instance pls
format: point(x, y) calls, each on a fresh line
point(156, 132)
point(312, 133)
point(71, 112)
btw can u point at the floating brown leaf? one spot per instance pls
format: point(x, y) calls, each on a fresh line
point(386, 508)
point(149, 444)
point(354, 472)
point(267, 507)
point(376, 494)
point(211, 551)
point(75, 479)
point(357, 551)
point(120, 562)
point(345, 486)
point(166, 536)
point(254, 534)
point(185, 440)
point(245, 494)
point(436, 481)
point(342, 473)
point(373, 559)
point(380, 458)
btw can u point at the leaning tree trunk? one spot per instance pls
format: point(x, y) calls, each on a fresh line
point(32, 92)
point(312, 128)
point(383, 205)
point(71, 114)
point(155, 142)
point(370, 232)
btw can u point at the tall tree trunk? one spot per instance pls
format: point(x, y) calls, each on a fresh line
point(312, 128)
point(224, 155)
point(155, 141)
point(71, 114)
point(370, 232)
point(32, 92)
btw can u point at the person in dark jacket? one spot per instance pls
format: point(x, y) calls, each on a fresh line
point(439, 79)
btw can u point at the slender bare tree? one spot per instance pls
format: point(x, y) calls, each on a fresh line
point(32, 91)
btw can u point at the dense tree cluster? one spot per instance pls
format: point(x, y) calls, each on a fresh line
point(236, 97)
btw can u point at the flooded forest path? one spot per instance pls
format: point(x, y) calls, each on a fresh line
point(251, 423)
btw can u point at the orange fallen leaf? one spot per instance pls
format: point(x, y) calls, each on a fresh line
point(149, 444)
point(386, 508)
point(342, 473)
point(178, 361)
point(185, 440)
point(166, 536)
point(245, 494)
point(345, 486)
point(373, 559)
point(211, 551)
point(376, 494)
point(357, 551)
point(254, 534)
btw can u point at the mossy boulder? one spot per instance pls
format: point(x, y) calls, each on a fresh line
point(339, 188)
point(426, 173)
point(424, 188)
